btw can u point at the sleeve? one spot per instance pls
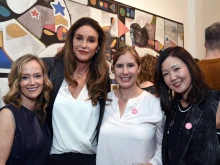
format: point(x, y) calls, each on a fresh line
point(157, 158)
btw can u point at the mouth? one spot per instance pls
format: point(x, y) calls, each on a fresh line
point(177, 84)
point(83, 52)
point(125, 79)
point(32, 89)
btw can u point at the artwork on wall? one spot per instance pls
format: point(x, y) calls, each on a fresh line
point(40, 26)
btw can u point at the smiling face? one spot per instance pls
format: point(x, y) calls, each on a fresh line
point(85, 43)
point(31, 84)
point(126, 70)
point(176, 75)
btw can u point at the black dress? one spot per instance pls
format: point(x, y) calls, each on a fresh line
point(32, 142)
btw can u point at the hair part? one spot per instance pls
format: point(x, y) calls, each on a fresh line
point(14, 78)
point(198, 88)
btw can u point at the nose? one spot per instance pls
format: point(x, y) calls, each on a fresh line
point(84, 44)
point(125, 70)
point(32, 81)
point(172, 76)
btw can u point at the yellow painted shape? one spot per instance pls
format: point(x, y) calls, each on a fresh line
point(61, 20)
point(15, 31)
point(181, 36)
point(106, 28)
point(47, 32)
point(1, 39)
point(113, 43)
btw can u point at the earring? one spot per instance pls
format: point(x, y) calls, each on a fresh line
point(96, 51)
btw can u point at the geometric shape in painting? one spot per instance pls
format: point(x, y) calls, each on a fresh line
point(122, 38)
point(19, 7)
point(57, 8)
point(151, 42)
point(5, 62)
point(122, 43)
point(112, 7)
point(140, 35)
point(14, 31)
point(101, 4)
point(122, 29)
point(106, 5)
point(61, 33)
point(60, 20)
point(158, 46)
point(113, 43)
point(181, 36)
point(50, 27)
point(169, 42)
point(34, 13)
point(4, 12)
point(47, 32)
point(93, 2)
point(122, 11)
point(132, 13)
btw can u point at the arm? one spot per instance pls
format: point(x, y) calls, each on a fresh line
point(218, 117)
point(157, 158)
point(7, 130)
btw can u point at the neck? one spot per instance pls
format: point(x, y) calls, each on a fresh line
point(126, 94)
point(212, 54)
point(29, 104)
point(81, 69)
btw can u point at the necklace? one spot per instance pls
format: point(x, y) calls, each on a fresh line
point(184, 110)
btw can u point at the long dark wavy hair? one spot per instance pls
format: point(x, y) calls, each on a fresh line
point(97, 79)
point(14, 78)
point(198, 89)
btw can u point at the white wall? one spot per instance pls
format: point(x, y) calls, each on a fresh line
point(195, 15)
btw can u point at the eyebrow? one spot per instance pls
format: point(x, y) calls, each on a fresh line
point(93, 37)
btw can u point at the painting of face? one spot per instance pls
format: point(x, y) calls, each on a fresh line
point(126, 70)
point(31, 84)
point(85, 43)
point(176, 75)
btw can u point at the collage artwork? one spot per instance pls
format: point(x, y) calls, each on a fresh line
point(39, 27)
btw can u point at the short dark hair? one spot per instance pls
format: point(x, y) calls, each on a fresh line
point(212, 36)
point(197, 90)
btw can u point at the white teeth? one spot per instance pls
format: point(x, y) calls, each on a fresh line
point(31, 89)
point(125, 78)
point(178, 83)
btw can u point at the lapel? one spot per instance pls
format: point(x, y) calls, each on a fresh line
point(194, 118)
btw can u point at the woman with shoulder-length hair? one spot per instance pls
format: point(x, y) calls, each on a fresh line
point(132, 127)
point(24, 135)
point(79, 73)
point(192, 110)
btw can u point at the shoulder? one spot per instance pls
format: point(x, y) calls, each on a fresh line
point(150, 97)
point(6, 116)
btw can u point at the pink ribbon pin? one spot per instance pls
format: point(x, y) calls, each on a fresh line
point(134, 111)
point(188, 125)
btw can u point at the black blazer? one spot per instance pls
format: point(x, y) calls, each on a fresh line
point(199, 145)
point(56, 75)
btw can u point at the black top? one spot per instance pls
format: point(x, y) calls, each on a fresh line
point(174, 133)
point(32, 142)
point(150, 89)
